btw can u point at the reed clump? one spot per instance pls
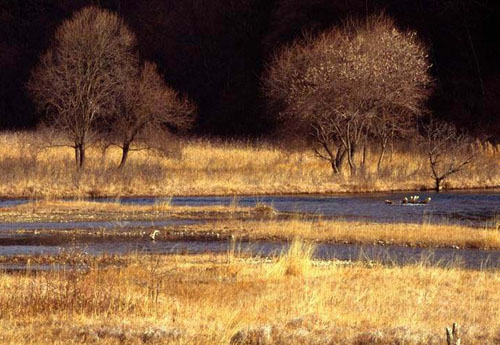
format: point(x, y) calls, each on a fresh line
point(202, 167)
point(296, 261)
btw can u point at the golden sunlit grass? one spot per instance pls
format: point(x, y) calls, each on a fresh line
point(77, 206)
point(296, 261)
point(61, 210)
point(207, 299)
point(202, 167)
point(421, 235)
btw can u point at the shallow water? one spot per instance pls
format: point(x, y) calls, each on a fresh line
point(97, 225)
point(474, 208)
point(473, 259)
point(12, 202)
point(469, 208)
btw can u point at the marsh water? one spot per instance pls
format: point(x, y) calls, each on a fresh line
point(473, 208)
point(475, 259)
point(93, 225)
point(477, 209)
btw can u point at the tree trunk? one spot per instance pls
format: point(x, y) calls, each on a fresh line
point(438, 186)
point(80, 156)
point(381, 157)
point(339, 159)
point(125, 151)
point(77, 156)
point(352, 167)
point(336, 159)
point(350, 159)
point(335, 168)
point(81, 163)
point(392, 151)
point(363, 161)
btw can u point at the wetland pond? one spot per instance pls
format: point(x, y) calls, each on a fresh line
point(471, 208)
point(477, 209)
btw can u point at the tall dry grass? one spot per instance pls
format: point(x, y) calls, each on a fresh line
point(202, 167)
point(209, 300)
point(296, 261)
point(355, 232)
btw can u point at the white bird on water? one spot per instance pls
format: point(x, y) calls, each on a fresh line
point(152, 236)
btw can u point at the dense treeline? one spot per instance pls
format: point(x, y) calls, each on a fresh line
point(215, 51)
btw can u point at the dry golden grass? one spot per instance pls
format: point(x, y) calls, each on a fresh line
point(81, 210)
point(213, 300)
point(297, 261)
point(202, 167)
point(416, 235)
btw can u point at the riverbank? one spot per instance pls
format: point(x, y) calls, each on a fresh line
point(201, 167)
point(233, 299)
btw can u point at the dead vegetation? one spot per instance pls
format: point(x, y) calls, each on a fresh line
point(356, 232)
point(235, 299)
point(199, 167)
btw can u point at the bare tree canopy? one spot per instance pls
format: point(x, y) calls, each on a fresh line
point(449, 150)
point(81, 76)
point(147, 103)
point(340, 85)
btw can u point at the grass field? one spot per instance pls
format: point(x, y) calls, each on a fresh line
point(232, 299)
point(201, 167)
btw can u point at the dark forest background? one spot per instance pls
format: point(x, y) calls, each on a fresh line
point(215, 52)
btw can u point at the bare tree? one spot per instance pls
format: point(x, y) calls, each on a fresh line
point(148, 104)
point(448, 150)
point(340, 85)
point(388, 126)
point(80, 78)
